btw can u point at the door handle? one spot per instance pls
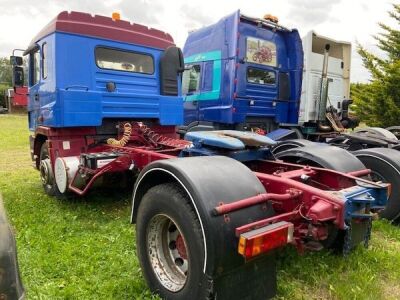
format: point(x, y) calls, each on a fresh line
point(195, 103)
point(36, 97)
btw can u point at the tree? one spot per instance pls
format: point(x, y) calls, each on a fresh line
point(5, 71)
point(5, 78)
point(378, 103)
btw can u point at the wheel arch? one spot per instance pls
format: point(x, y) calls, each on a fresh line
point(384, 132)
point(290, 144)
point(153, 177)
point(209, 181)
point(328, 157)
point(39, 140)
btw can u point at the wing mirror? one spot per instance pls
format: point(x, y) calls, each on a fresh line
point(17, 70)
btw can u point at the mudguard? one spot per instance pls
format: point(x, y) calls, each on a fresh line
point(377, 131)
point(324, 156)
point(10, 283)
point(289, 144)
point(210, 181)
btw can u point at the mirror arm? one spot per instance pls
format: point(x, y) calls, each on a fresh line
point(22, 50)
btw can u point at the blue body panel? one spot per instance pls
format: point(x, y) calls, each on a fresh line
point(237, 98)
point(360, 196)
point(228, 139)
point(74, 92)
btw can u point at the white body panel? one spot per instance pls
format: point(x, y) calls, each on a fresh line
point(338, 73)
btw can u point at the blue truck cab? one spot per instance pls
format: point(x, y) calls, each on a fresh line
point(242, 73)
point(86, 69)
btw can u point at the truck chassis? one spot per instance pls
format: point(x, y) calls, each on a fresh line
point(258, 203)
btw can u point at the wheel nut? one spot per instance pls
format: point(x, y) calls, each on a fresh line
point(179, 262)
point(172, 245)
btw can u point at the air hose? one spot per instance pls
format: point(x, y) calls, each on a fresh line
point(125, 137)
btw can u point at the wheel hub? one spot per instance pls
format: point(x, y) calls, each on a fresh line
point(180, 246)
point(167, 252)
point(45, 171)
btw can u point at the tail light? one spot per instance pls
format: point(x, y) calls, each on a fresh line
point(264, 239)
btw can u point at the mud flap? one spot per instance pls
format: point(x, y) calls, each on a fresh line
point(358, 232)
point(254, 280)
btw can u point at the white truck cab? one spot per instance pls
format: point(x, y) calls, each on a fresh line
point(338, 74)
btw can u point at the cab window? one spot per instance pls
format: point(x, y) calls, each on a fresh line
point(191, 79)
point(122, 60)
point(208, 71)
point(34, 64)
point(44, 61)
point(259, 76)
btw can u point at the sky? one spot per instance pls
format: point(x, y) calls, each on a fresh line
point(346, 20)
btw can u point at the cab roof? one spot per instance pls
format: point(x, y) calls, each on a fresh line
point(107, 28)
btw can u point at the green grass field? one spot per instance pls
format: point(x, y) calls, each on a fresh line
point(85, 248)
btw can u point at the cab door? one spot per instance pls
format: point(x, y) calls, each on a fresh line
point(191, 86)
point(34, 83)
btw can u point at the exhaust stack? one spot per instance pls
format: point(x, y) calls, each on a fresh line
point(323, 98)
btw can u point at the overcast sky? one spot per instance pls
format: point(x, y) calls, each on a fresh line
point(347, 20)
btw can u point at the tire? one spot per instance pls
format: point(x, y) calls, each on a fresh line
point(49, 184)
point(386, 171)
point(395, 130)
point(166, 220)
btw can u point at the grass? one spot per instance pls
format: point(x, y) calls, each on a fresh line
point(85, 248)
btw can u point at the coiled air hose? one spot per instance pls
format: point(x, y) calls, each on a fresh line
point(125, 137)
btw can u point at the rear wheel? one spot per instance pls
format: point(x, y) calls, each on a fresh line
point(170, 244)
point(46, 171)
point(385, 171)
point(395, 130)
point(47, 174)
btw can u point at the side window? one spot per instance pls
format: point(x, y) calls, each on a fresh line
point(44, 61)
point(191, 80)
point(259, 76)
point(34, 65)
point(208, 76)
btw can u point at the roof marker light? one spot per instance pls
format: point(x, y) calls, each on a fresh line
point(271, 18)
point(116, 16)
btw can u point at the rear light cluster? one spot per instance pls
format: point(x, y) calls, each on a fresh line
point(264, 239)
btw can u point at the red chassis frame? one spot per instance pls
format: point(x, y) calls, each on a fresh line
point(299, 194)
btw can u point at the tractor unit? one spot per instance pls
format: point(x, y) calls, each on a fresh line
point(212, 209)
point(230, 84)
point(297, 94)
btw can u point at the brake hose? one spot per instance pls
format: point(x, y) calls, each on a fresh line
point(125, 137)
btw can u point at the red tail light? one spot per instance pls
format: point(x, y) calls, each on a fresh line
point(264, 239)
